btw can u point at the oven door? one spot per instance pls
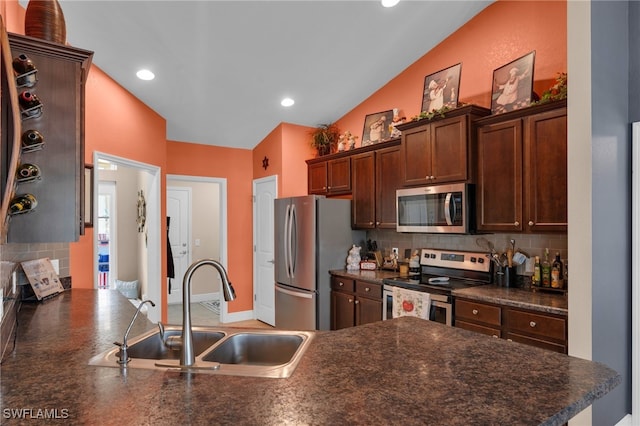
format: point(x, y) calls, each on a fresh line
point(441, 309)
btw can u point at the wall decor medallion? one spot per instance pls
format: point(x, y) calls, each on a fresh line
point(142, 211)
point(513, 85)
point(441, 89)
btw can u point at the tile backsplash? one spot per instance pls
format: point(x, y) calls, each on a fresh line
point(530, 244)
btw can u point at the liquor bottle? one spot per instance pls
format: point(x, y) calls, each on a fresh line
point(557, 272)
point(22, 204)
point(546, 270)
point(537, 273)
point(25, 71)
point(32, 140)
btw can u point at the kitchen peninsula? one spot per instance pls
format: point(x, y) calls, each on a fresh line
point(401, 371)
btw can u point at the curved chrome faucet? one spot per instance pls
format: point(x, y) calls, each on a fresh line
point(188, 356)
point(124, 357)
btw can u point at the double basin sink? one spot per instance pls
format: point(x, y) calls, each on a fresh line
point(217, 350)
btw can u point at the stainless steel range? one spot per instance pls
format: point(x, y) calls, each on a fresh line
point(441, 271)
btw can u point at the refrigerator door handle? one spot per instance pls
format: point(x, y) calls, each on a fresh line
point(285, 238)
point(295, 293)
point(293, 237)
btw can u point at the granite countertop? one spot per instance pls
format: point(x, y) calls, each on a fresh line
point(400, 371)
point(552, 303)
point(515, 297)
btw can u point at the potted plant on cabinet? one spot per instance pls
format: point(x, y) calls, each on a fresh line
point(324, 138)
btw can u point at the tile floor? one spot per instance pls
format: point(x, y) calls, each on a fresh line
point(203, 316)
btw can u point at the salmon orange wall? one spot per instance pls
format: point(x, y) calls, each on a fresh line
point(504, 31)
point(232, 164)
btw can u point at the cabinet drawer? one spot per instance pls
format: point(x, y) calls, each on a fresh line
point(495, 332)
point(372, 290)
point(539, 343)
point(536, 324)
point(487, 314)
point(342, 284)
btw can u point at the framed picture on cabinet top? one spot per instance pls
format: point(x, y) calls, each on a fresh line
point(441, 89)
point(377, 127)
point(513, 85)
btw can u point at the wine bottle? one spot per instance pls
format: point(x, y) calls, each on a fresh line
point(537, 273)
point(22, 204)
point(28, 171)
point(557, 272)
point(25, 70)
point(30, 104)
point(546, 270)
point(31, 140)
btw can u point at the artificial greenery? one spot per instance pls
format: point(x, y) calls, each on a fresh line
point(325, 137)
point(556, 92)
point(428, 115)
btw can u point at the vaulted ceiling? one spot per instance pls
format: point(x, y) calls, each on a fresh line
point(222, 67)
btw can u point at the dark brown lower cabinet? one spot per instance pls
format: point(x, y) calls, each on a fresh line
point(354, 302)
point(540, 329)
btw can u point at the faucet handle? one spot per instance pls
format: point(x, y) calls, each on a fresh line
point(118, 344)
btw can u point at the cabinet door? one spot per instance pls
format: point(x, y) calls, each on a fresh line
point(449, 150)
point(368, 310)
point(339, 176)
point(317, 178)
point(546, 171)
point(416, 156)
point(388, 172)
point(499, 195)
point(363, 189)
point(342, 310)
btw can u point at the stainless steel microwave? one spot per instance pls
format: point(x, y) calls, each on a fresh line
point(446, 209)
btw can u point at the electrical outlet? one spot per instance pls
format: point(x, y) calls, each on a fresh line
point(394, 251)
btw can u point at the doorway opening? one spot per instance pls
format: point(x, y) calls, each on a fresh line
point(197, 225)
point(132, 244)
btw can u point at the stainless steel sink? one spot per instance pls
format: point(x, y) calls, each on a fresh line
point(255, 349)
point(218, 350)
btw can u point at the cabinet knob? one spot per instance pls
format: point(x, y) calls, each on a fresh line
point(532, 324)
point(377, 223)
point(350, 300)
point(432, 177)
point(367, 289)
point(341, 284)
point(324, 187)
point(531, 223)
point(474, 312)
point(356, 302)
point(516, 223)
point(370, 223)
point(328, 187)
point(494, 335)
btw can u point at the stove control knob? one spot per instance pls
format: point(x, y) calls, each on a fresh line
point(433, 256)
point(473, 259)
point(480, 260)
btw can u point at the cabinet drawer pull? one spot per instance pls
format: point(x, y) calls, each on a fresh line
point(531, 223)
point(532, 324)
point(357, 301)
point(350, 300)
point(367, 289)
point(516, 223)
point(341, 284)
point(474, 312)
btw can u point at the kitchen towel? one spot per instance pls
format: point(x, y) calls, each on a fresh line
point(411, 303)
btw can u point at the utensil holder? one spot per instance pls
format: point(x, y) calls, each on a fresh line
point(509, 278)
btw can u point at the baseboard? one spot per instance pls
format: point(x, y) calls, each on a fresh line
point(238, 316)
point(627, 420)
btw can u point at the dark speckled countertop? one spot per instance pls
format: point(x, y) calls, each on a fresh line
point(401, 371)
point(516, 297)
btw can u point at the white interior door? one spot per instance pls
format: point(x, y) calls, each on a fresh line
point(265, 191)
point(179, 212)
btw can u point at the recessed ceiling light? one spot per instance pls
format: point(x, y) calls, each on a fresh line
point(390, 3)
point(287, 102)
point(145, 75)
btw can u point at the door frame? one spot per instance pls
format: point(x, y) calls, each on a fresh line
point(189, 190)
point(153, 226)
point(223, 223)
point(274, 179)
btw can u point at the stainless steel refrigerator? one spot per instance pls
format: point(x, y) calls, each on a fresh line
point(312, 236)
